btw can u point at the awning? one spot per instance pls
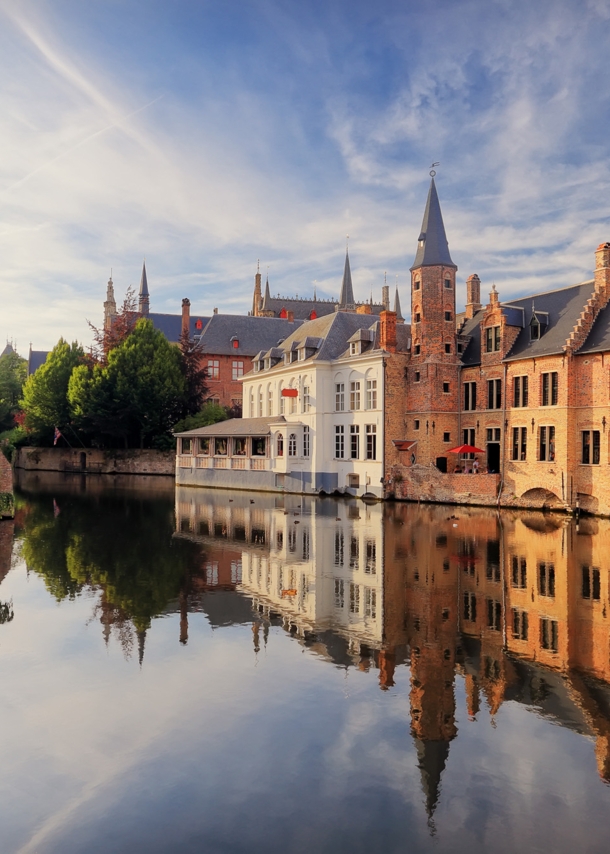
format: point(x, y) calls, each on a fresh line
point(404, 444)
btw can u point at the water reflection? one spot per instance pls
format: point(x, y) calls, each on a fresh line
point(510, 607)
point(514, 603)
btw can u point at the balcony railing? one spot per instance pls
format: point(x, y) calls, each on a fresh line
point(240, 463)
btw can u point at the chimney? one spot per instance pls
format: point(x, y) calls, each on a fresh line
point(290, 316)
point(387, 331)
point(385, 297)
point(602, 269)
point(493, 297)
point(186, 316)
point(365, 308)
point(473, 295)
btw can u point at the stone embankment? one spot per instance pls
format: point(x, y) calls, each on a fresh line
point(7, 504)
point(94, 461)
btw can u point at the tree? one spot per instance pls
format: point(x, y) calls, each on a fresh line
point(13, 373)
point(138, 395)
point(105, 340)
point(211, 413)
point(45, 398)
point(194, 374)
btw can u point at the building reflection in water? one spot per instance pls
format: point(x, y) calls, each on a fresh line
point(516, 604)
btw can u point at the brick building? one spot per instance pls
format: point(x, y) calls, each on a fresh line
point(525, 381)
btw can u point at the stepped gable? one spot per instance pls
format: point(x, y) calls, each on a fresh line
point(599, 338)
point(252, 334)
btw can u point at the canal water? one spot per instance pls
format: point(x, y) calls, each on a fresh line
point(202, 671)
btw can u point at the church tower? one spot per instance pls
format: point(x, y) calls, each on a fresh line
point(432, 399)
point(109, 306)
point(143, 297)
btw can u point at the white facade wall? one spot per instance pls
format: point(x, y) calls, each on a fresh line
point(262, 398)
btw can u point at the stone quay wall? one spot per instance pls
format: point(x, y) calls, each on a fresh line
point(7, 506)
point(95, 461)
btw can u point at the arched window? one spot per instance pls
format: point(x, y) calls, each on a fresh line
point(282, 401)
point(251, 403)
point(280, 445)
point(269, 401)
point(260, 401)
point(292, 445)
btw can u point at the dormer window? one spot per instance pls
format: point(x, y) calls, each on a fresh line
point(354, 348)
point(534, 329)
point(421, 239)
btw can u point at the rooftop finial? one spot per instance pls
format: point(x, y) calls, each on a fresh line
point(258, 265)
point(347, 242)
point(433, 170)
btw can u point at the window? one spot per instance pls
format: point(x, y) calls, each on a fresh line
point(447, 348)
point(293, 404)
point(445, 388)
point(546, 444)
point(213, 369)
point(354, 348)
point(447, 283)
point(534, 329)
point(269, 402)
point(448, 315)
point(417, 376)
point(492, 339)
point(470, 607)
point(220, 447)
point(549, 634)
point(204, 446)
point(370, 603)
point(280, 445)
point(417, 317)
point(305, 441)
point(371, 394)
point(519, 443)
point(260, 402)
point(468, 439)
point(590, 447)
point(339, 593)
point(494, 394)
point(494, 434)
point(239, 446)
point(259, 446)
point(354, 395)
point(470, 396)
point(417, 350)
point(339, 397)
point(282, 403)
point(549, 389)
point(339, 442)
point(591, 588)
point(354, 441)
point(520, 391)
point(546, 579)
point(292, 445)
point(519, 624)
point(306, 399)
point(371, 441)
point(494, 615)
point(251, 402)
point(237, 370)
point(339, 548)
point(370, 567)
point(354, 599)
point(187, 446)
point(446, 437)
point(416, 285)
point(416, 424)
point(519, 572)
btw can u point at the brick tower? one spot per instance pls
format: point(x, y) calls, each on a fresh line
point(432, 396)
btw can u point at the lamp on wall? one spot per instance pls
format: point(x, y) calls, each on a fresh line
point(604, 423)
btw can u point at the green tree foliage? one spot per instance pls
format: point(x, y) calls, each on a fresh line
point(13, 373)
point(45, 399)
point(137, 396)
point(194, 375)
point(120, 546)
point(211, 413)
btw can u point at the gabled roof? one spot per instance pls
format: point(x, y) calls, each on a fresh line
point(562, 307)
point(253, 334)
point(432, 246)
point(8, 349)
point(236, 427)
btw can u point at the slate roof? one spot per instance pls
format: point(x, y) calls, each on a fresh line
point(346, 297)
point(8, 349)
point(599, 337)
point(397, 306)
point(36, 359)
point(563, 306)
point(144, 282)
point(472, 328)
point(236, 427)
point(171, 325)
point(432, 246)
point(252, 333)
point(301, 308)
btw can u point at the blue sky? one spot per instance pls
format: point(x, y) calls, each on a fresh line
point(206, 135)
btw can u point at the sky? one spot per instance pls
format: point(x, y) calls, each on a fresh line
point(208, 135)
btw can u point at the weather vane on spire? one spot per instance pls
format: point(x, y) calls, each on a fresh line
point(432, 169)
point(346, 242)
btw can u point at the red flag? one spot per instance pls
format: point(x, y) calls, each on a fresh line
point(57, 435)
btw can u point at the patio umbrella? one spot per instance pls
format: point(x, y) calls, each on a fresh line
point(466, 449)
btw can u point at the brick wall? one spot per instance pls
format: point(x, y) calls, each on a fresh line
point(223, 387)
point(6, 475)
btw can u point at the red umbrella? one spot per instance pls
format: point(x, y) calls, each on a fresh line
point(466, 449)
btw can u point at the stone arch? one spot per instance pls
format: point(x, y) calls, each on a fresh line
point(540, 497)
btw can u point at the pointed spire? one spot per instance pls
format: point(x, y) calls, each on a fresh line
point(267, 297)
point(399, 316)
point(346, 300)
point(432, 246)
point(144, 299)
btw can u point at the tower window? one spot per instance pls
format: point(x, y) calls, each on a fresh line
point(447, 348)
point(445, 388)
point(447, 283)
point(417, 317)
point(416, 285)
point(448, 315)
point(416, 424)
point(417, 376)
point(417, 349)
point(446, 437)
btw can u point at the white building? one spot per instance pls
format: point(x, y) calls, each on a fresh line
point(313, 410)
